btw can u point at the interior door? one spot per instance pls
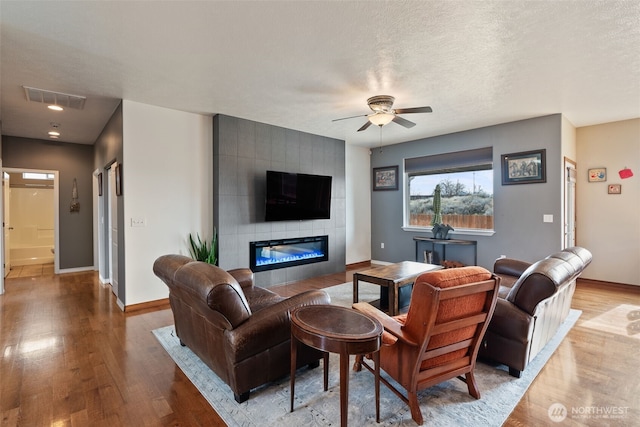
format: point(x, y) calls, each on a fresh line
point(6, 223)
point(570, 204)
point(112, 212)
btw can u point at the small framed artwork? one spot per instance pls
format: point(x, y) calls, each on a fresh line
point(597, 174)
point(614, 189)
point(527, 167)
point(118, 173)
point(100, 184)
point(385, 178)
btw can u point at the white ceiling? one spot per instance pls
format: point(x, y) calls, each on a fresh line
point(301, 64)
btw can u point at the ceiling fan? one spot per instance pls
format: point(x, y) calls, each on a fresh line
point(384, 113)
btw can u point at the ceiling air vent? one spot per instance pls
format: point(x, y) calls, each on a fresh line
point(55, 98)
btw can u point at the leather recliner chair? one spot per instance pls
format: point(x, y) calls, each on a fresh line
point(533, 301)
point(241, 331)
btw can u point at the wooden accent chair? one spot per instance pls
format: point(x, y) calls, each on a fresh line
point(439, 337)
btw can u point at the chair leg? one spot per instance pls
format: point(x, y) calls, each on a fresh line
point(514, 372)
point(471, 385)
point(414, 406)
point(357, 365)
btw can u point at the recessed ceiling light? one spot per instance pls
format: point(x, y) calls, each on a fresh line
point(55, 107)
point(54, 133)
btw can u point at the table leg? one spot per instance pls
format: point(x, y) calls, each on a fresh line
point(376, 363)
point(393, 299)
point(355, 288)
point(344, 388)
point(325, 364)
point(294, 351)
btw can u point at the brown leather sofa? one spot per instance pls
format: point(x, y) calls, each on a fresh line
point(241, 331)
point(533, 301)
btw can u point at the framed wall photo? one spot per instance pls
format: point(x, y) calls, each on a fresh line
point(385, 178)
point(527, 167)
point(118, 173)
point(100, 184)
point(614, 189)
point(597, 174)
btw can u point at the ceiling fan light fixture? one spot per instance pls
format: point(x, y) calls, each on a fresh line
point(381, 119)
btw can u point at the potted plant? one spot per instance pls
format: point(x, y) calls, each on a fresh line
point(203, 250)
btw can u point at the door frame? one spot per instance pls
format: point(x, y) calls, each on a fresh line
point(569, 201)
point(56, 215)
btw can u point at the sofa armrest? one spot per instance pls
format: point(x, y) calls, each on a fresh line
point(243, 276)
point(510, 322)
point(269, 326)
point(510, 266)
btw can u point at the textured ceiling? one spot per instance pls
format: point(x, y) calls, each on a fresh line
point(301, 64)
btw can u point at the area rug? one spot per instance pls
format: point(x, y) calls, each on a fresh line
point(447, 404)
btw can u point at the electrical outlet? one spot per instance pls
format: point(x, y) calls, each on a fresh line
point(381, 245)
point(138, 222)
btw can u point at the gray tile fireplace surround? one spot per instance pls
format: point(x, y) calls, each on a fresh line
point(243, 151)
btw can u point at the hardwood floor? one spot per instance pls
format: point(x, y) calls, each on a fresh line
point(70, 357)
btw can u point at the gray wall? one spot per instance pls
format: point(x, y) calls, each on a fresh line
point(243, 152)
point(73, 161)
point(518, 209)
point(108, 148)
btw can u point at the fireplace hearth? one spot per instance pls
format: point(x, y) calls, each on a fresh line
point(273, 254)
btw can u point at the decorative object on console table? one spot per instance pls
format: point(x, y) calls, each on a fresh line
point(527, 167)
point(615, 189)
point(597, 174)
point(385, 178)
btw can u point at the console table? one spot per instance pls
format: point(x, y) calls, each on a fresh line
point(439, 249)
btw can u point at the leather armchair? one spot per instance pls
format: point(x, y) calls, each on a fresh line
point(533, 301)
point(241, 331)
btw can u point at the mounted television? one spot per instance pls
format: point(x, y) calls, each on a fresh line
point(297, 196)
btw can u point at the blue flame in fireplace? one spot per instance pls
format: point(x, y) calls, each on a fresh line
point(284, 254)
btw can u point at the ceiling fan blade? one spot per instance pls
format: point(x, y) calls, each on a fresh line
point(403, 122)
point(413, 110)
point(352, 117)
point(364, 126)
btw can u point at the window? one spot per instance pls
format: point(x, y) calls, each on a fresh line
point(466, 185)
point(36, 175)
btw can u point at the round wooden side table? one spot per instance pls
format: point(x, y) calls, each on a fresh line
point(334, 329)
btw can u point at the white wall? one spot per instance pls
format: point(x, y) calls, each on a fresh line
point(167, 175)
point(358, 201)
point(609, 225)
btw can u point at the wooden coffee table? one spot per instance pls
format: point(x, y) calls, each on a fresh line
point(393, 277)
point(342, 330)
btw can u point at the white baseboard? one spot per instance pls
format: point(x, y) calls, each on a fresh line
point(74, 270)
point(373, 261)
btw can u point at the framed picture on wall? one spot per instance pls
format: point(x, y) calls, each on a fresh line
point(597, 174)
point(614, 189)
point(118, 172)
point(385, 178)
point(100, 184)
point(527, 167)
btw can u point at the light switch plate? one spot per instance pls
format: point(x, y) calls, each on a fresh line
point(547, 218)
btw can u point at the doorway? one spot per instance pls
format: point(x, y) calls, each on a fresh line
point(30, 218)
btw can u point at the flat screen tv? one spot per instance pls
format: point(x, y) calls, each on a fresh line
point(297, 196)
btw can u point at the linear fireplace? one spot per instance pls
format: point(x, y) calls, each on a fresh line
point(273, 254)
